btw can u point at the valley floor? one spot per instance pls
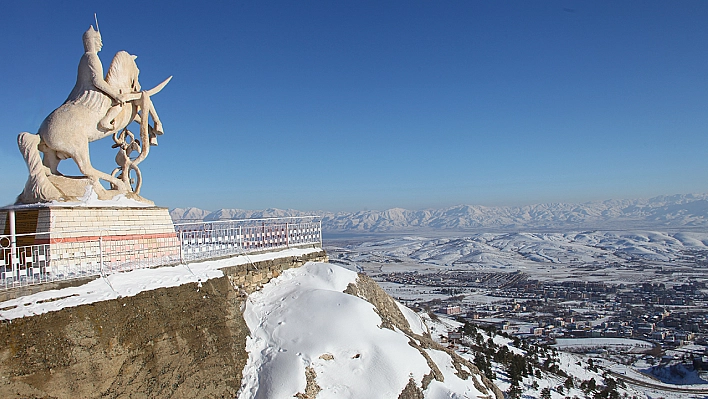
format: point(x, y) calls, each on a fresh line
point(643, 285)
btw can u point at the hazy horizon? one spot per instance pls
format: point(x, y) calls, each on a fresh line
point(520, 205)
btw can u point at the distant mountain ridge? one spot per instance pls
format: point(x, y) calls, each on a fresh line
point(675, 211)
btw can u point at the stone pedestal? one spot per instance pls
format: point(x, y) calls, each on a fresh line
point(55, 242)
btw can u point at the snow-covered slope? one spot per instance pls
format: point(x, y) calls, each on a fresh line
point(322, 330)
point(685, 211)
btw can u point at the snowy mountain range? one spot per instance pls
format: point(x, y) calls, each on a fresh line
point(684, 211)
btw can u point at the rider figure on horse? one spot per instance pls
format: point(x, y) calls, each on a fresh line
point(90, 82)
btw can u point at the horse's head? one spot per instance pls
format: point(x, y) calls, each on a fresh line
point(123, 72)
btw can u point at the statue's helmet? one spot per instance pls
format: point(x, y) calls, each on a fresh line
point(91, 36)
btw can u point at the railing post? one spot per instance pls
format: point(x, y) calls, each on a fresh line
point(100, 253)
point(13, 245)
point(181, 246)
point(287, 234)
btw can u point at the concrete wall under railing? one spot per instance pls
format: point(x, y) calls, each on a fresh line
point(252, 276)
point(245, 278)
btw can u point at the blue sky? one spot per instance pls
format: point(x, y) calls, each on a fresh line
point(341, 106)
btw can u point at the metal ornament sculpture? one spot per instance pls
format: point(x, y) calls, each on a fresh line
point(96, 108)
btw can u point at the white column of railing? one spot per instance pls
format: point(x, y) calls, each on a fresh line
point(100, 254)
point(13, 244)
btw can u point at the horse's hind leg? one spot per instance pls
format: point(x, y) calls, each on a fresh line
point(84, 164)
point(51, 160)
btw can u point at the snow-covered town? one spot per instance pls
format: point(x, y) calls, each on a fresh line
point(596, 303)
point(669, 317)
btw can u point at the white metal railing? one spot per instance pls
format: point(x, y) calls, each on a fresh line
point(208, 240)
point(108, 252)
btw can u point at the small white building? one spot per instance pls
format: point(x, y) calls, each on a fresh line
point(452, 310)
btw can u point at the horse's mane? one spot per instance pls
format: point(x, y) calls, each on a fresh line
point(122, 70)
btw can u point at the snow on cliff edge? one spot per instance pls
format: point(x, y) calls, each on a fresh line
point(311, 338)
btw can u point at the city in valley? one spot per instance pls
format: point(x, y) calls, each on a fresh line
point(633, 302)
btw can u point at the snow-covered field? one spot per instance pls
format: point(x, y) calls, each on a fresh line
point(303, 320)
point(608, 256)
point(616, 344)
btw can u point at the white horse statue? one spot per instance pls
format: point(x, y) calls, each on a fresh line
point(95, 109)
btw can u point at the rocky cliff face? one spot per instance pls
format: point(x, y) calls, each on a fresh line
point(185, 341)
point(392, 318)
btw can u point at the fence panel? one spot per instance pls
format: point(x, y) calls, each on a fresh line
point(208, 240)
point(106, 253)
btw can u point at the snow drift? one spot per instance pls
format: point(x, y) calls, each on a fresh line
point(323, 330)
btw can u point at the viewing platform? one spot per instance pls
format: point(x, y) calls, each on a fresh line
point(36, 256)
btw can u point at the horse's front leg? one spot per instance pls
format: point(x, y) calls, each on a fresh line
point(138, 179)
point(126, 173)
point(148, 110)
point(139, 120)
point(153, 113)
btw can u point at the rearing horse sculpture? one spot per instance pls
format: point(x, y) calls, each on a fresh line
point(67, 131)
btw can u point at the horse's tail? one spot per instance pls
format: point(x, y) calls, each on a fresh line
point(38, 187)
